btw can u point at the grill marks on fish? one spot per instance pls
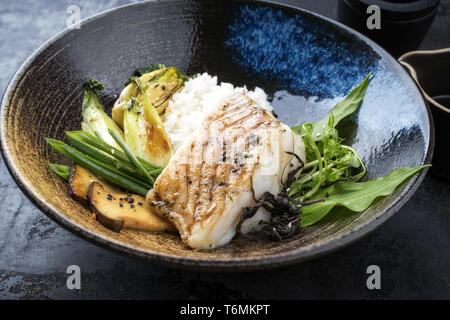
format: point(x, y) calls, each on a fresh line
point(205, 174)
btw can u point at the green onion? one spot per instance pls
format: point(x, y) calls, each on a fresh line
point(103, 157)
point(98, 143)
point(108, 173)
point(61, 170)
point(130, 155)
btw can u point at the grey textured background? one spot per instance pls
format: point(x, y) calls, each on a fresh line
point(412, 249)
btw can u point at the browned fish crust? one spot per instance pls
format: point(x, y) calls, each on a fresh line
point(214, 166)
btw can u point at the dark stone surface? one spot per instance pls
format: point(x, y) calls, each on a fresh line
point(412, 249)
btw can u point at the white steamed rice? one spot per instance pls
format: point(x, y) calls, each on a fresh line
point(200, 96)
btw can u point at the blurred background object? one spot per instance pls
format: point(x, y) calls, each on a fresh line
point(431, 70)
point(403, 23)
point(403, 26)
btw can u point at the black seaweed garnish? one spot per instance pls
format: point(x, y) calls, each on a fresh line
point(285, 220)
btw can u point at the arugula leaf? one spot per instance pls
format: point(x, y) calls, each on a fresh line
point(327, 161)
point(356, 196)
point(146, 69)
point(341, 110)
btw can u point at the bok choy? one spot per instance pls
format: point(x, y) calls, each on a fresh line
point(159, 85)
point(95, 119)
point(144, 131)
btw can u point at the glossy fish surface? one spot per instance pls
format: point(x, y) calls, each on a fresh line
point(238, 153)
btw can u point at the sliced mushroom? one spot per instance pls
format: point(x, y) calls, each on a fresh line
point(117, 210)
point(79, 182)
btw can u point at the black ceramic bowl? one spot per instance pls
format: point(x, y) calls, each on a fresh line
point(305, 62)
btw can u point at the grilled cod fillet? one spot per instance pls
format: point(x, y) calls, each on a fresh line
point(237, 154)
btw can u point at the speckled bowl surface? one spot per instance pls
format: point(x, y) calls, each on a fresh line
point(305, 63)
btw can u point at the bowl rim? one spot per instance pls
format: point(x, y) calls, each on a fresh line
point(198, 263)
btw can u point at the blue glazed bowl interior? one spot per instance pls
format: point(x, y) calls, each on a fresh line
point(307, 66)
